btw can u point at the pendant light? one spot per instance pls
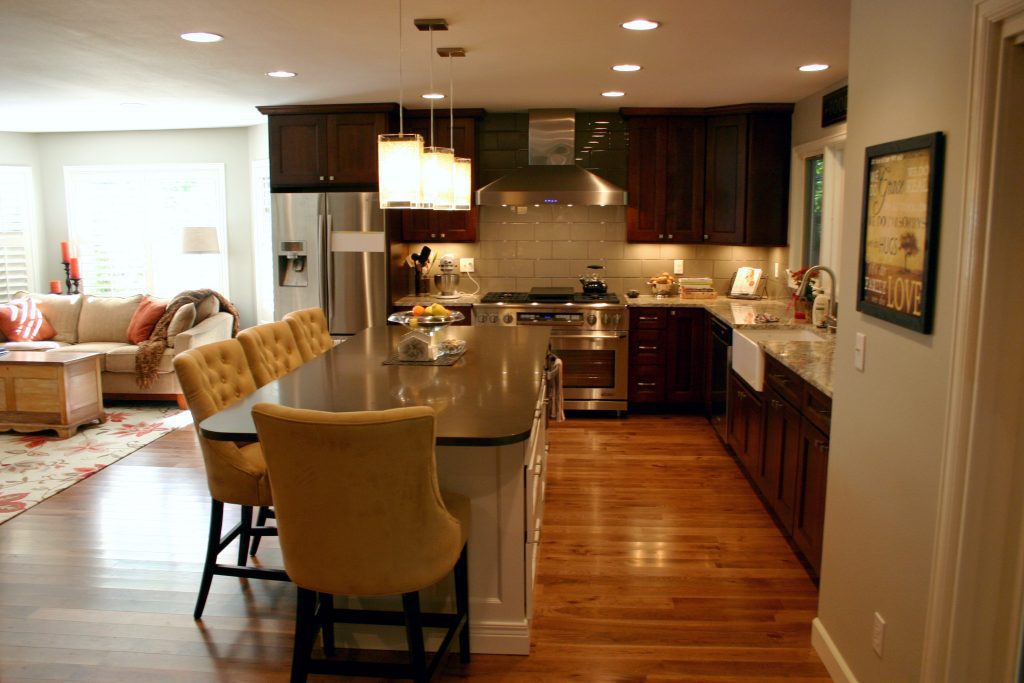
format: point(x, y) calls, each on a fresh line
point(462, 168)
point(399, 156)
point(438, 162)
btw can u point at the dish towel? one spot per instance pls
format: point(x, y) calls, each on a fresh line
point(554, 377)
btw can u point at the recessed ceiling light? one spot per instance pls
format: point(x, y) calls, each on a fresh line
point(613, 93)
point(202, 37)
point(432, 96)
point(626, 67)
point(133, 104)
point(814, 67)
point(281, 74)
point(641, 25)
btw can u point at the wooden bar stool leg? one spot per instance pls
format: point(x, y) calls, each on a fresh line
point(244, 535)
point(327, 622)
point(261, 520)
point(305, 631)
point(212, 550)
point(414, 634)
point(462, 601)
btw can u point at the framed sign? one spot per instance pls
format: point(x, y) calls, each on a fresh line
point(900, 230)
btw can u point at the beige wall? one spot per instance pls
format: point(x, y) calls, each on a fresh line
point(807, 117)
point(908, 76)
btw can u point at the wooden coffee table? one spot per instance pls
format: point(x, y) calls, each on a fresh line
point(41, 390)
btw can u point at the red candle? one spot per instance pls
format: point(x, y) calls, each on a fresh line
point(65, 252)
point(55, 286)
point(74, 268)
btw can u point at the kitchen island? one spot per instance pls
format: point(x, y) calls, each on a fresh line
point(491, 447)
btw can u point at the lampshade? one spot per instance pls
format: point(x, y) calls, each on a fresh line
point(199, 241)
point(399, 169)
point(438, 188)
point(463, 179)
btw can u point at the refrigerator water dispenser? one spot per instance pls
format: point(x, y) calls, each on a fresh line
point(291, 265)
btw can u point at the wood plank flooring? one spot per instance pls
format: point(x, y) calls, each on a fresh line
point(658, 563)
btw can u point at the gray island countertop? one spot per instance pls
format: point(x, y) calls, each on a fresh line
point(488, 397)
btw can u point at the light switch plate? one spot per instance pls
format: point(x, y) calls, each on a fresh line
point(677, 266)
point(859, 349)
point(466, 265)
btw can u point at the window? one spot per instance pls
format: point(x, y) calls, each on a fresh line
point(17, 228)
point(127, 221)
point(262, 242)
point(814, 180)
point(816, 202)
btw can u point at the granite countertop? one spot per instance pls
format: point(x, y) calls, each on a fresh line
point(813, 361)
point(413, 299)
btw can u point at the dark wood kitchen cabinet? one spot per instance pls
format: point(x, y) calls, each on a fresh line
point(746, 186)
point(666, 356)
point(665, 179)
point(326, 147)
point(744, 424)
point(811, 485)
point(443, 226)
point(777, 475)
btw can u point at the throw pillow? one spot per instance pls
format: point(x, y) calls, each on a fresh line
point(22, 321)
point(106, 318)
point(144, 319)
point(206, 308)
point(182, 320)
point(61, 311)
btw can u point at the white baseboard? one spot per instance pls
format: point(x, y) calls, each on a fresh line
point(830, 655)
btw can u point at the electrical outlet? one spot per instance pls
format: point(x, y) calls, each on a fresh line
point(859, 351)
point(878, 634)
point(466, 265)
point(677, 266)
point(776, 270)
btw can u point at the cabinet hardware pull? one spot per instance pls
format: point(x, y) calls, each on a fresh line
point(821, 445)
point(670, 236)
point(321, 177)
point(707, 237)
point(330, 178)
point(646, 384)
point(824, 411)
point(780, 379)
point(776, 404)
point(648, 348)
point(661, 237)
point(647, 317)
point(442, 235)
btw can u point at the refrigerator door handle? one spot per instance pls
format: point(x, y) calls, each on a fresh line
point(323, 239)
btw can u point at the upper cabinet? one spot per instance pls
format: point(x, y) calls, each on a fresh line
point(326, 147)
point(718, 175)
point(443, 226)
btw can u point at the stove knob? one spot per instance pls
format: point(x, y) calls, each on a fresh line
point(591, 319)
point(494, 317)
point(606, 319)
point(507, 318)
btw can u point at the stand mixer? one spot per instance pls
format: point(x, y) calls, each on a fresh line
point(447, 281)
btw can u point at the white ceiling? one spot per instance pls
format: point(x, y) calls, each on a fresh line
point(68, 65)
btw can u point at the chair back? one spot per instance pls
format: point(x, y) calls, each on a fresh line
point(309, 325)
point(359, 511)
point(214, 376)
point(270, 350)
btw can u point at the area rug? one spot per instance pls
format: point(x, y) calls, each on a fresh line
point(35, 466)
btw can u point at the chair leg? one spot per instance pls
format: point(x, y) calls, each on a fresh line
point(212, 549)
point(245, 535)
point(261, 520)
point(462, 601)
point(305, 631)
point(414, 634)
point(327, 622)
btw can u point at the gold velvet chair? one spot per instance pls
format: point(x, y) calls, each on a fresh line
point(213, 377)
point(309, 326)
point(360, 513)
point(271, 351)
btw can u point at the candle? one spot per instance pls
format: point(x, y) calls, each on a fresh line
point(55, 286)
point(65, 252)
point(74, 268)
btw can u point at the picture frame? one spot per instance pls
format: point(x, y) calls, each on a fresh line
point(900, 222)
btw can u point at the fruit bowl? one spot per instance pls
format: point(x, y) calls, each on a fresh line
point(427, 324)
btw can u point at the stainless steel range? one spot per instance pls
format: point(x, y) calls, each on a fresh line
point(590, 333)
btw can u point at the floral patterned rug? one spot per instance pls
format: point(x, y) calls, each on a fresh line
point(35, 466)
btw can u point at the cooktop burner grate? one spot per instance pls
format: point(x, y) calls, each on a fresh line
point(562, 298)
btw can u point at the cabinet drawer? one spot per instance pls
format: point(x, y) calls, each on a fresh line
point(817, 407)
point(647, 318)
point(646, 348)
point(783, 380)
point(647, 383)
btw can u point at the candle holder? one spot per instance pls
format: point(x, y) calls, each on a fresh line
point(73, 283)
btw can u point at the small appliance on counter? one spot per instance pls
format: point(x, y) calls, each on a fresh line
point(447, 281)
point(592, 282)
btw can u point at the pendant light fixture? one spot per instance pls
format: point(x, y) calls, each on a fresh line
point(462, 169)
point(438, 162)
point(399, 155)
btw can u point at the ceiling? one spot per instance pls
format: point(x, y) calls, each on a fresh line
point(120, 64)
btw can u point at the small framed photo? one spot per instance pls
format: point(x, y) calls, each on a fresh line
point(900, 231)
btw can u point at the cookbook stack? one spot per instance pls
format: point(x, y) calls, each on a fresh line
point(696, 288)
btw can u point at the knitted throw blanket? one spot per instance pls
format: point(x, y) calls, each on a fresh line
point(147, 360)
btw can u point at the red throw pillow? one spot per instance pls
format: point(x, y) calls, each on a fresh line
point(145, 319)
point(22, 321)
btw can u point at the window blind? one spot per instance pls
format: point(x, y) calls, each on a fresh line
point(16, 229)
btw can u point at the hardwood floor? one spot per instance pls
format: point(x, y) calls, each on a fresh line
point(658, 563)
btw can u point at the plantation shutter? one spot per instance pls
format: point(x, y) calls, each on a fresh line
point(16, 217)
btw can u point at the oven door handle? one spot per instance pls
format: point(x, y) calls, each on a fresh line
point(590, 335)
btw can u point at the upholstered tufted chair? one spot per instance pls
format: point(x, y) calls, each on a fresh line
point(271, 351)
point(360, 513)
point(213, 377)
point(309, 326)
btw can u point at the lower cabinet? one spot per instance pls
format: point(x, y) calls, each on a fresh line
point(780, 438)
point(666, 355)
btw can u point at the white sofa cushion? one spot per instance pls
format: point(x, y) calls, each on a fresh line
point(33, 346)
point(92, 347)
point(106, 318)
point(122, 359)
point(62, 312)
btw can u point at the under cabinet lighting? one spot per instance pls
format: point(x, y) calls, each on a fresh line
point(640, 25)
point(813, 67)
point(202, 37)
point(281, 74)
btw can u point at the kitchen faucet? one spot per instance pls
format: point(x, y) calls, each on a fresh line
point(830, 318)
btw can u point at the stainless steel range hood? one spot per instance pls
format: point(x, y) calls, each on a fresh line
point(552, 176)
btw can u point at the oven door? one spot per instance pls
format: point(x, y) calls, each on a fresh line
point(594, 369)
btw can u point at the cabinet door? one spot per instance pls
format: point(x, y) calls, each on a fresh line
point(298, 152)
point(352, 148)
point(767, 197)
point(684, 179)
point(685, 356)
point(646, 181)
point(725, 188)
point(777, 476)
point(812, 479)
point(744, 425)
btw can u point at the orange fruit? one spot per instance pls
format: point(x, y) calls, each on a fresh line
point(418, 310)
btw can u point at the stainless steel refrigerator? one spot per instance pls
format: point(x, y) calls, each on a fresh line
point(331, 251)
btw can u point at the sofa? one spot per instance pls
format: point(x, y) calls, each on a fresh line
point(87, 323)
